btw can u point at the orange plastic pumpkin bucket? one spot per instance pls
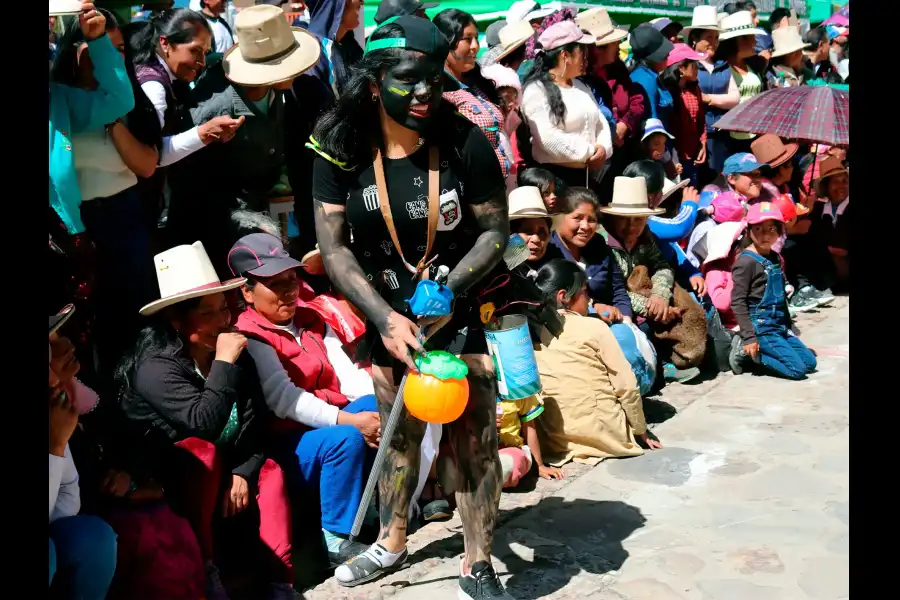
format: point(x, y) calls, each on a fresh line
point(439, 392)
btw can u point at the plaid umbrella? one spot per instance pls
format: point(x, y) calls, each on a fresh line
point(805, 113)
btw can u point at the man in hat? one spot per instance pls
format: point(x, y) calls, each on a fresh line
point(248, 83)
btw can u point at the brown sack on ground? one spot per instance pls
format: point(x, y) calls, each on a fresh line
point(686, 336)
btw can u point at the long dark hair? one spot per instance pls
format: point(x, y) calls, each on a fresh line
point(155, 337)
point(670, 78)
point(540, 73)
point(178, 26)
point(452, 23)
point(67, 49)
point(351, 128)
point(573, 197)
point(727, 49)
point(560, 274)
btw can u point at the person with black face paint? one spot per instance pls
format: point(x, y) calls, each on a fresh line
point(391, 152)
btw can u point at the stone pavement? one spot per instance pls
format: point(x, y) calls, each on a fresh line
point(749, 500)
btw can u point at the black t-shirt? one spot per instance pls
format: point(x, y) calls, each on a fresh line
point(469, 175)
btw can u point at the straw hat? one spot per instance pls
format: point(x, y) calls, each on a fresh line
point(737, 25)
point(704, 17)
point(670, 187)
point(185, 272)
point(597, 22)
point(829, 166)
point(769, 150)
point(61, 8)
point(268, 50)
point(526, 202)
point(787, 40)
point(513, 36)
point(630, 199)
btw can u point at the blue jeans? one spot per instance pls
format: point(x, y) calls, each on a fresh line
point(786, 355)
point(82, 556)
point(334, 460)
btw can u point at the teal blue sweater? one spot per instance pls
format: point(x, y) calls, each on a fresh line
point(74, 111)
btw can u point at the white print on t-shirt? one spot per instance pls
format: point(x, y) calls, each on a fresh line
point(417, 181)
point(390, 277)
point(451, 214)
point(418, 208)
point(386, 246)
point(370, 197)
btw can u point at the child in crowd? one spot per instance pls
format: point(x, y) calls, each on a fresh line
point(689, 116)
point(727, 207)
point(759, 302)
point(654, 144)
point(510, 89)
point(517, 452)
point(545, 181)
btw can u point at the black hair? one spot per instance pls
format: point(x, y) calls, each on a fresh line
point(560, 274)
point(515, 226)
point(155, 337)
point(727, 49)
point(777, 15)
point(452, 24)
point(651, 171)
point(729, 8)
point(744, 5)
point(573, 197)
point(349, 130)
point(178, 26)
point(67, 49)
point(538, 177)
point(746, 240)
point(815, 37)
point(670, 78)
point(540, 73)
point(770, 172)
point(516, 55)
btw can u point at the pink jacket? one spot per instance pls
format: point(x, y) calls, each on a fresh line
point(719, 283)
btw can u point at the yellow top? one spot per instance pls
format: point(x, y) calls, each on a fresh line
point(516, 412)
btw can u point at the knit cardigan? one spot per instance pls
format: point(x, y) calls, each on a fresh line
point(72, 111)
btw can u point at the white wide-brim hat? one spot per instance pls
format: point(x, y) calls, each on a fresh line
point(62, 8)
point(787, 40)
point(185, 272)
point(513, 36)
point(704, 17)
point(737, 25)
point(630, 199)
point(267, 49)
point(526, 202)
point(670, 187)
point(599, 24)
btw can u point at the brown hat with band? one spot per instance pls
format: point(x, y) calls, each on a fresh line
point(770, 150)
point(829, 166)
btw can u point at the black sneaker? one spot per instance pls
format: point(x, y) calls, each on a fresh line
point(368, 566)
point(346, 551)
point(737, 356)
point(481, 584)
point(805, 299)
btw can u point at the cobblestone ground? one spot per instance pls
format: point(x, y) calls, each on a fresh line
point(749, 500)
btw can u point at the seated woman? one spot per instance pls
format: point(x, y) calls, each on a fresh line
point(529, 219)
point(325, 404)
point(194, 399)
point(82, 547)
point(632, 245)
point(592, 405)
point(758, 300)
point(576, 226)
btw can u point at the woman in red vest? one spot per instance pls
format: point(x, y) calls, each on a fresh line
point(325, 406)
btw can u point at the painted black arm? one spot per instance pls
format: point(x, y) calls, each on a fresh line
point(333, 234)
point(493, 220)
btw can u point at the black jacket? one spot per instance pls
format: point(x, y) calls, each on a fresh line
point(168, 401)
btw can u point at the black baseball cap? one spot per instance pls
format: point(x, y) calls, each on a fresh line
point(649, 44)
point(260, 254)
point(418, 34)
point(399, 8)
